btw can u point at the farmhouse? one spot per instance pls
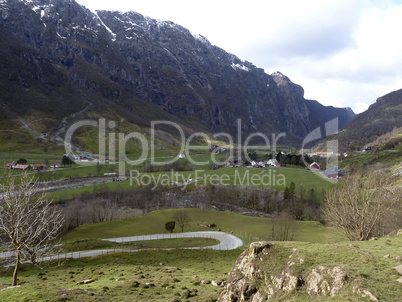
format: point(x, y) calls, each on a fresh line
point(55, 165)
point(21, 167)
point(234, 162)
point(258, 164)
point(333, 173)
point(39, 167)
point(86, 157)
point(273, 163)
point(314, 167)
point(10, 165)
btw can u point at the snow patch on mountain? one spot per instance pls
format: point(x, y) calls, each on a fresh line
point(201, 39)
point(107, 28)
point(240, 66)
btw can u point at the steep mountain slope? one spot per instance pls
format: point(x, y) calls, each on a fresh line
point(380, 118)
point(59, 58)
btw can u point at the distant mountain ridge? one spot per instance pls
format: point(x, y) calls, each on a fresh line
point(59, 58)
point(380, 118)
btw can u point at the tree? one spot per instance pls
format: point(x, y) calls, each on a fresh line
point(358, 205)
point(169, 226)
point(253, 155)
point(31, 222)
point(21, 161)
point(182, 218)
point(67, 161)
point(283, 227)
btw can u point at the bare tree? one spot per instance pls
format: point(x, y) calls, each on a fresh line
point(30, 221)
point(283, 227)
point(358, 204)
point(182, 218)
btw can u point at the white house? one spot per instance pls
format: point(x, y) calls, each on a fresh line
point(273, 163)
point(181, 155)
point(257, 164)
point(55, 165)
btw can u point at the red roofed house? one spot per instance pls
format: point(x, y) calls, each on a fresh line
point(39, 167)
point(333, 173)
point(21, 167)
point(314, 167)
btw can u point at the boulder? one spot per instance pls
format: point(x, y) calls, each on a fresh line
point(286, 281)
point(240, 285)
point(398, 269)
point(364, 293)
point(325, 281)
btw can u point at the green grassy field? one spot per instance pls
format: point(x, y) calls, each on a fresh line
point(140, 276)
point(381, 159)
point(275, 178)
point(246, 227)
point(9, 157)
point(364, 263)
point(179, 274)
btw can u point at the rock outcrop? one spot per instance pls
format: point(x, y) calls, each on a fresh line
point(325, 281)
point(251, 278)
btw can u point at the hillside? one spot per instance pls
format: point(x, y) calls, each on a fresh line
point(60, 63)
point(380, 118)
point(295, 271)
point(317, 266)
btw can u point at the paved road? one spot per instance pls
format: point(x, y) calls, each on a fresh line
point(227, 242)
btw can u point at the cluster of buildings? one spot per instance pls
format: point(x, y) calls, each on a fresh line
point(34, 167)
point(88, 157)
point(333, 173)
point(82, 157)
point(237, 162)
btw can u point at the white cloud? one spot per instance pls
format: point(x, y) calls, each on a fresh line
point(343, 52)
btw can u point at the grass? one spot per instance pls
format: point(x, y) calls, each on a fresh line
point(246, 227)
point(178, 274)
point(6, 157)
point(140, 276)
point(385, 158)
point(273, 177)
point(363, 262)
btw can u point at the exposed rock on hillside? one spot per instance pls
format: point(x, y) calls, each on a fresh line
point(250, 280)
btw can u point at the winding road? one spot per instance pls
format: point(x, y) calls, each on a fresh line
point(227, 242)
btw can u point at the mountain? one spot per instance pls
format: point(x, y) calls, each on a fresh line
point(61, 62)
point(380, 118)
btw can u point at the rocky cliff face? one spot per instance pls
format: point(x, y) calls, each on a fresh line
point(58, 57)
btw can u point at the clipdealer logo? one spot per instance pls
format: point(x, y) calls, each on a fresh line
point(116, 144)
point(204, 178)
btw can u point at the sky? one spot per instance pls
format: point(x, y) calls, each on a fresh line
point(344, 53)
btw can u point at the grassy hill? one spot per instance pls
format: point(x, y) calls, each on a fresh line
point(246, 227)
point(182, 275)
point(358, 271)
